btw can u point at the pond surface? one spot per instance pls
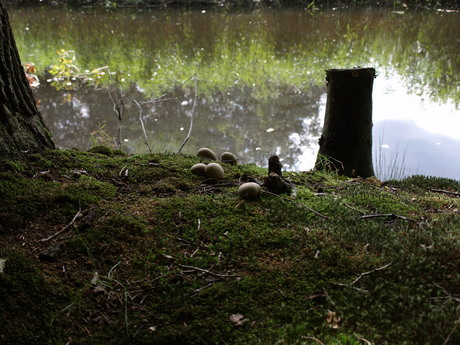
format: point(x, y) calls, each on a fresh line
point(259, 87)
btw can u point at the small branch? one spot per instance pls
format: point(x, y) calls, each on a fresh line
point(118, 109)
point(365, 341)
point(191, 118)
point(354, 209)
point(63, 229)
point(448, 295)
point(457, 323)
point(141, 120)
point(352, 287)
point(298, 203)
point(445, 192)
point(123, 172)
point(388, 215)
point(328, 297)
point(208, 272)
point(311, 338)
point(362, 275)
point(197, 291)
point(369, 272)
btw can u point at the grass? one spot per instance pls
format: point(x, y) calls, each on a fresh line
point(161, 256)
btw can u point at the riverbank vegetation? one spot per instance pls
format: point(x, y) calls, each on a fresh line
point(251, 3)
point(107, 248)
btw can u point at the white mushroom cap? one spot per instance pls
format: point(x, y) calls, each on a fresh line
point(206, 153)
point(228, 157)
point(249, 190)
point(214, 170)
point(199, 169)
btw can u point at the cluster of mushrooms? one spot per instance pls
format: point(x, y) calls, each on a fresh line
point(248, 190)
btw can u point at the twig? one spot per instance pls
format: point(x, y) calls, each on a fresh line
point(457, 323)
point(311, 338)
point(191, 118)
point(445, 192)
point(196, 291)
point(298, 203)
point(63, 229)
point(200, 245)
point(354, 209)
point(389, 215)
point(353, 287)
point(369, 272)
point(141, 120)
point(118, 109)
point(124, 171)
point(365, 340)
point(448, 295)
point(208, 272)
point(362, 275)
point(328, 297)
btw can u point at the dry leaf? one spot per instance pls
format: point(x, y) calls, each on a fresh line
point(2, 265)
point(95, 278)
point(237, 319)
point(333, 319)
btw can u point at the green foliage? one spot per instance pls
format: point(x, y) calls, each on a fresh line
point(67, 76)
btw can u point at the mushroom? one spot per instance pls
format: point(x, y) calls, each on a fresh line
point(214, 170)
point(199, 169)
point(228, 157)
point(206, 153)
point(249, 190)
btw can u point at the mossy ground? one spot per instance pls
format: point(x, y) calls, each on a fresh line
point(151, 254)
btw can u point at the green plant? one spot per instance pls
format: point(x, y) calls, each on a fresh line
point(389, 166)
point(68, 76)
point(101, 137)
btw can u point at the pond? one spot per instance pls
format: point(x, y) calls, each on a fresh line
point(252, 81)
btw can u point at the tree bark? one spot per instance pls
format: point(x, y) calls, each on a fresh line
point(21, 125)
point(346, 141)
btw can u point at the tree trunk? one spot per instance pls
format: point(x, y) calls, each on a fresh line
point(21, 125)
point(346, 141)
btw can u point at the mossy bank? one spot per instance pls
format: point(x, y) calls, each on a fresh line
point(104, 248)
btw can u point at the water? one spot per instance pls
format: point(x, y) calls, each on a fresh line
point(260, 80)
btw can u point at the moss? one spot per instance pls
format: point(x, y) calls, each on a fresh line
point(176, 255)
point(12, 166)
point(107, 151)
point(25, 293)
point(23, 199)
point(417, 183)
point(103, 150)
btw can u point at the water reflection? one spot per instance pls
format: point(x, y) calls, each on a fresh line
point(261, 77)
point(231, 121)
point(407, 149)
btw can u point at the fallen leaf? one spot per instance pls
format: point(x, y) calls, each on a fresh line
point(2, 265)
point(95, 278)
point(333, 319)
point(237, 319)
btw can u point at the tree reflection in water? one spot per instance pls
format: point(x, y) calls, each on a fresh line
point(261, 72)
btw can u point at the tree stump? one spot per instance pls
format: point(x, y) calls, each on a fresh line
point(346, 141)
point(275, 182)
